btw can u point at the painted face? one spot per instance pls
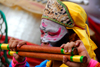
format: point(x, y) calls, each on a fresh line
point(51, 31)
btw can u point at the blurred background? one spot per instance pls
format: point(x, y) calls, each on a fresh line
point(24, 17)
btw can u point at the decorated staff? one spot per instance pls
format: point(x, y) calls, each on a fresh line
point(49, 56)
point(45, 55)
point(44, 49)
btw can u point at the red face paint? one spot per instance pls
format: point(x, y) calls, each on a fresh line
point(42, 33)
point(51, 31)
point(43, 24)
point(55, 33)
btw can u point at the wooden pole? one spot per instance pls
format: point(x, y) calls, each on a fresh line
point(49, 56)
point(44, 49)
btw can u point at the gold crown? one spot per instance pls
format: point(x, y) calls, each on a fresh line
point(58, 12)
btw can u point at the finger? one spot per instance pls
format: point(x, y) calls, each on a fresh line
point(70, 46)
point(10, 44)
point(16, 56)
point(62, 46)
point(78, 42)
point(12, 39)
point(64, 59)
point(72, 64)
point(66, 47)
point(21, 43)
point(80, 46)
point(14, 44)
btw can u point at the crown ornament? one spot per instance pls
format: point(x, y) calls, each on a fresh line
point(58, 12)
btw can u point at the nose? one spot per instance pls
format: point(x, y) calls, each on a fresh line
point(44, 39)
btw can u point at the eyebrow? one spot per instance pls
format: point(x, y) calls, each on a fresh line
point(53, 31)
point(49, 30)
point(56, 32)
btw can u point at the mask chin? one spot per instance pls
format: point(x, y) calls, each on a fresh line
point(64, 40)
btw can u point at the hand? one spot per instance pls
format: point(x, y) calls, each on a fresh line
point(13, 44)
point(68, 46)
point(81, 50)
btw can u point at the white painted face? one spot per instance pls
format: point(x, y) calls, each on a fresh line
point(51, 31)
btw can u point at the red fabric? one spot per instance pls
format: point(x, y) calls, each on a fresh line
point(96, 28)
point(92, 63)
